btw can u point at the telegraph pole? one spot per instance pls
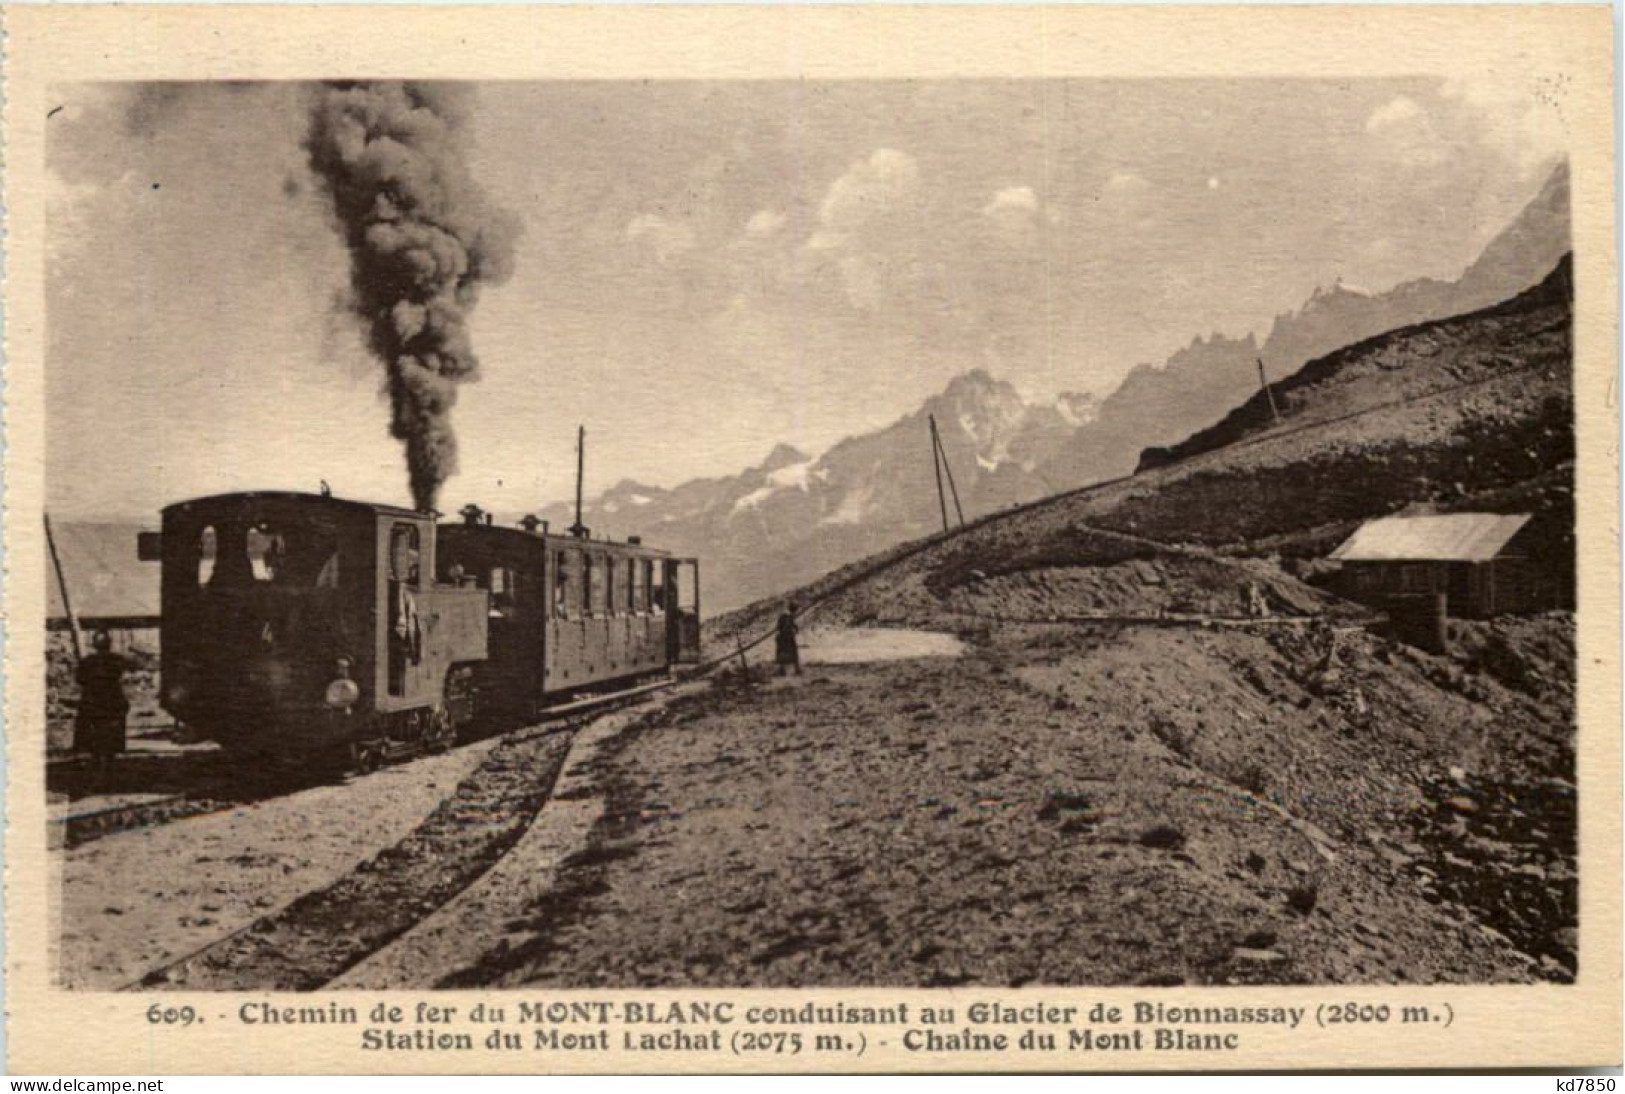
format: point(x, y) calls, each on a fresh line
point(947, 468)
point(1263, 382)
point(62, 584)
point(936, 466)
point(578, 529)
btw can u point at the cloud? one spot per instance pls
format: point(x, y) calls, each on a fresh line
point(869, 226)
point(1521, 121)
point(1403, 134)
point(1012, 199)
point(871, 190)
point(1126, 182)
point(667, 239)
point(1125, 199)
point(765, 223)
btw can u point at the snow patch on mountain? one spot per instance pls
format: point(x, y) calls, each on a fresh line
point(853, 507)
point(793, 476)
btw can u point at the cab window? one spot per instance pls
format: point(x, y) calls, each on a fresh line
point(284, 554)
point(205, 555)
point(504, 588)
point(403, 553)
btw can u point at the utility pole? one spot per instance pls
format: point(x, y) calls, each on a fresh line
point(62, 584)
point(578, 529)
point(1263, 382)
point(947, 468)
point(936, 466)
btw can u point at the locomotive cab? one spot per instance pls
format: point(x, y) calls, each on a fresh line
point(293, 622)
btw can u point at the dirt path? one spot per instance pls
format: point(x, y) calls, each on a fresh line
point(136, 900)
point(857, 645)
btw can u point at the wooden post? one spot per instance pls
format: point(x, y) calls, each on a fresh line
point(947, 468)
point(1263, 382)
point(739, 641)
point(62, 584)
point(936, 466)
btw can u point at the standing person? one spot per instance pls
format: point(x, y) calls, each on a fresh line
point(99, 728)
point(788, 652)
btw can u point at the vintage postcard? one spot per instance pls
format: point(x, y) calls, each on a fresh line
point(810, 539)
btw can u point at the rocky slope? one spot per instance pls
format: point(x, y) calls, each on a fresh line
point(1074, 805)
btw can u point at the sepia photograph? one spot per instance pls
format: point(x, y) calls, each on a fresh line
point(669, 534)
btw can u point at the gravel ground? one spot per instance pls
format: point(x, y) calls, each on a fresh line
point(1026, 813)
point(1010, 806)
point(138, 899)
point(477, 921)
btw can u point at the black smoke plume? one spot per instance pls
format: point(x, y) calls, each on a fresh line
point(422, 241)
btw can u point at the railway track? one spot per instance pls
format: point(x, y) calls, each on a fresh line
point(324, 933)
point(215, 783)
point(77, 827)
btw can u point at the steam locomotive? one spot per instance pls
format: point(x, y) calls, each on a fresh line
point(308, 625)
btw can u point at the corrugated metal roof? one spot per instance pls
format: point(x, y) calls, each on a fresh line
point(105, 578)
point(1452, 537)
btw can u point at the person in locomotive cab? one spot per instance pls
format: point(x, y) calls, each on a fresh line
point(408, 634)
point(99, 727)
point(786, 647)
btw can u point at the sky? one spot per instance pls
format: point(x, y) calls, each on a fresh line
point(706, 269)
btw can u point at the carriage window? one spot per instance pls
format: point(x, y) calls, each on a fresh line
point(639, 581)
point(610, 590)
point(657, 587)
point(561, 584)
point(595, 584)
point(629, 597)
point(403, 553)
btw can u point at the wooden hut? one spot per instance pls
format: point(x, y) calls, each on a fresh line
point(1483, 564)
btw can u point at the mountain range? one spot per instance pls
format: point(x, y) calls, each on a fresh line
point(794, 516)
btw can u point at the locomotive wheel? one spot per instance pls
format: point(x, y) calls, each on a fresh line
point(366, 758)
point(439, 734)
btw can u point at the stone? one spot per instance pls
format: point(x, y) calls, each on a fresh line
point(1247, 953)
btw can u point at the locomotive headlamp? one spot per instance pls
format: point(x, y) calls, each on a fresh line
point(342, 693)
